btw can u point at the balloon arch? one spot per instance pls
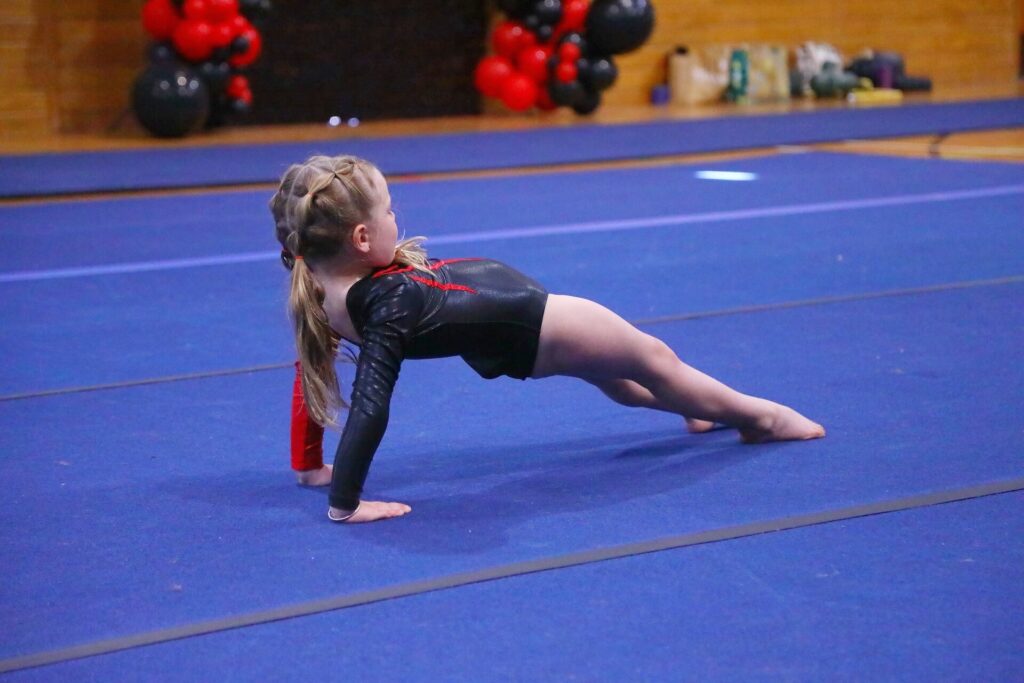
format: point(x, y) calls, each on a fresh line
point(552, 53)
point(547, 53)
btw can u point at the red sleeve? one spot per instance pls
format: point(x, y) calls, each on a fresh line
point(307, 435)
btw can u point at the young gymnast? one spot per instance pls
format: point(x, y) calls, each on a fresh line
point(353, 279)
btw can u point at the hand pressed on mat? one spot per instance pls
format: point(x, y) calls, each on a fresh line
point(318, 477)
point(369, 511)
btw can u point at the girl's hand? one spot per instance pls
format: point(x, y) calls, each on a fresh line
point(369, 511)
point(320, 477)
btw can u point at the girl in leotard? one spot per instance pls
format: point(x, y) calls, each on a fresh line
point(353, 279)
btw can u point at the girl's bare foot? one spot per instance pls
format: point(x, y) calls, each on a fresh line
point(695, 426)
point(320, 477)
point(782, 424)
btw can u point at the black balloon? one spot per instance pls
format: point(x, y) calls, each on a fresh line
point(170, 100)
point(617, 26)
point(583, 66)
point(576, 39)
point(216, 75)
point(601, 74)
point(161, 53)
point(220, 54)
point(239, 45)
point(240, 107)
point(565, 94)
point(590, 101)
point(253, 9)
point(545, 32)
point(548, 11)
point(531, 21)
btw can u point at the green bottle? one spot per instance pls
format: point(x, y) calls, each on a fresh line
point(739, 76)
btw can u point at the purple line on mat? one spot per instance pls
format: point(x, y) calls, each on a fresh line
point(543, 230)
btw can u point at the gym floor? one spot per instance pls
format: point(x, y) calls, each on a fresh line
point(152, 530)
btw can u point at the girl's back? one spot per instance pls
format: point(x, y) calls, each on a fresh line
point(480, 309)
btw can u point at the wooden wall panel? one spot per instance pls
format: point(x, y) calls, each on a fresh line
point(24, 100)
point(68, 65)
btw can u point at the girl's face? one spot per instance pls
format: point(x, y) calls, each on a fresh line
point(382, 225)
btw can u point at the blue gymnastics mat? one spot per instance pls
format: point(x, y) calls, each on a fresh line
point(162, 506)
point(922, 595)
point(825, 238)
point(198, 166)
point(889, 309)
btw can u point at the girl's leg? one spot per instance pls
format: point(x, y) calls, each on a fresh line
point(580, 338)
point(629, 393)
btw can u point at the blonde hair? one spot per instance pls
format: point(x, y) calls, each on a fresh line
point(317, 205)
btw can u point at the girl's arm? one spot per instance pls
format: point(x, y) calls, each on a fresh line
point(390, 310)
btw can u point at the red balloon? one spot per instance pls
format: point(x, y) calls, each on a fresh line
point(569, 52)
point(566, 72)
point(239, 24)
point(519, 93)
point(221, 10)
point(246, 96)
point(533, 61)
point(237, 85)
point(223, 34)
point(574, 16)
point(507, 38)
point(491, 73)
point(193, 40)
point(159, 18)
point(544, 102)
point(197, 10)
point(249, 56)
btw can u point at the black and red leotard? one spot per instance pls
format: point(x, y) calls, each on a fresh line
point(479, 309)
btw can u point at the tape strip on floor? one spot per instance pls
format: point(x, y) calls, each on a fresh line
point(506, 571)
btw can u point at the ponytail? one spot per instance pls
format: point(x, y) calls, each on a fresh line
point(317, 345)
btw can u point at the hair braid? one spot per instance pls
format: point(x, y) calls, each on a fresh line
point(315, 209)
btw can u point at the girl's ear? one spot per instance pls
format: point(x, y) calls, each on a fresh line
point(360, 238)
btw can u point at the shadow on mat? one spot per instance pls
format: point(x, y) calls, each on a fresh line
point(467, 501)
point(591, 475)
point(479, 463)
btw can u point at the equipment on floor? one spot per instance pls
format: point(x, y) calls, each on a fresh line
point(886, 70)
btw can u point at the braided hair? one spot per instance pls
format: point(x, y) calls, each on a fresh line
point(317, 205)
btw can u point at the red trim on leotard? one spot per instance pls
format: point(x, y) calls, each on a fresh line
point(395, 269)
point(446, 286)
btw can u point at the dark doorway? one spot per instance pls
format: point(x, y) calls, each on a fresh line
point(369, 59)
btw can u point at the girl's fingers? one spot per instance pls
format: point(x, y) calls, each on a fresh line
point(369, 511)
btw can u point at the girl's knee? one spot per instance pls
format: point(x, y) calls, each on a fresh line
point(657, 358)
point(657, 351)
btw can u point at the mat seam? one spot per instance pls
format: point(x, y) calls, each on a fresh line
point(512, 570)
point(742, 310)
